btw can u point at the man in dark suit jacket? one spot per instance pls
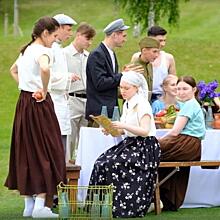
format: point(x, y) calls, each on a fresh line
point(102, 71)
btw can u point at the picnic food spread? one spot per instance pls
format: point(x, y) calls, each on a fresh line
point(166, 117)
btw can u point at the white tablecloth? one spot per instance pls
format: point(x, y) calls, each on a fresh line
point(204, 185)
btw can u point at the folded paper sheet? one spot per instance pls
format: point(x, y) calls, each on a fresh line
point(106, 124)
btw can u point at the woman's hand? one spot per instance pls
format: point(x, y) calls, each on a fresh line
point(105, 132)
point(39, 95)
point(118, 125)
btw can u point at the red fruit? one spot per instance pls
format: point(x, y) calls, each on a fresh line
point(161, 113)
point(38, 96)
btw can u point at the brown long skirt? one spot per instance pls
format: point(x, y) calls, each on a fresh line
point(37, 163)
point(180, 148)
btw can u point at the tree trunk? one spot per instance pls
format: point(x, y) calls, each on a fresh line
point(16, 28)
point(6, 24)
point(136, 30)
point(151, 14)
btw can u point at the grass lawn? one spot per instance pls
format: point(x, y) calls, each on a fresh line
point(194, 44)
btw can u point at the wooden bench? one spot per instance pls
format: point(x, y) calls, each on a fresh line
point(176, 165)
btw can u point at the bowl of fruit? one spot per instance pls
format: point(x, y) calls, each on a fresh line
point(166, 117)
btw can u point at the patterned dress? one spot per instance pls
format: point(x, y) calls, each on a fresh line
point(131, 166)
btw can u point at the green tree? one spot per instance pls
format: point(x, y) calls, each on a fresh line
point(148, 12)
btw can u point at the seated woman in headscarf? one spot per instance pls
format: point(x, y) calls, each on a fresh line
point(169, 95)
point(182, 143)
point(131, 166)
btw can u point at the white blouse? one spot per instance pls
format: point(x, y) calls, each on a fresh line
point(138, 106)
point(28, 67)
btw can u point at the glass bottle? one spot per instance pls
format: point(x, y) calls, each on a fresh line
point(104, 111)
point(106, 207)
point(204, 112)
point(116, 114)
point(64, 207)
point(209, 118)
point(95, 209)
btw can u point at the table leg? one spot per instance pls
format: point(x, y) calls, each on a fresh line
point(72, 174)
point(157, 197)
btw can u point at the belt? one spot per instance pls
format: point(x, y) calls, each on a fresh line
point(78, 95)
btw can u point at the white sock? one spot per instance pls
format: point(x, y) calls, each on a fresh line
point(39, 203)
point(29, 203)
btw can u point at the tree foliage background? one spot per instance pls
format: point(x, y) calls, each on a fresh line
point(149, 12)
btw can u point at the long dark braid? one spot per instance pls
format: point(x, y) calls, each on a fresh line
point(24, 47)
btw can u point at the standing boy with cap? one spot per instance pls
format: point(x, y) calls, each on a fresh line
point(149, 52)
point(102, 73)
point(60, 80)
point(60, 75)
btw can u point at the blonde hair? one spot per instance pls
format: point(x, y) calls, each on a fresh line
point(167, 80)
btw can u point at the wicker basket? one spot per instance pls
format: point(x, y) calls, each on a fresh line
point(85, 202)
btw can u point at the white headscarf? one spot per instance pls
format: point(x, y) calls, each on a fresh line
point(136, 79)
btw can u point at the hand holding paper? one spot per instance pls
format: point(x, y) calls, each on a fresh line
point(106, 124)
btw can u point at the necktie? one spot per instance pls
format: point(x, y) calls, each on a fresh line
point(116, 64)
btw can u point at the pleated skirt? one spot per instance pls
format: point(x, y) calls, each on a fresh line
point(37, 163)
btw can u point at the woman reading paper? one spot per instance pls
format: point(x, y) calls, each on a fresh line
point(131, 166)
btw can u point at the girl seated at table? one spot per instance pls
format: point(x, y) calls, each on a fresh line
point(182, 143)
point(169, 95)
point(131, 166)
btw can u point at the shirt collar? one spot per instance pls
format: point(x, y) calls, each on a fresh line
point(142, 62)
point(74, 51)
point(56, 44)
point(58, 41)
point(111, 52)
point(133, 101)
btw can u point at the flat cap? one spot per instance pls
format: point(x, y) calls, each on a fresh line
point(149, 42)
point(63, 19)
point(117, 25)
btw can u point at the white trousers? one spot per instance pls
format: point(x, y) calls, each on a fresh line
point(77, 107)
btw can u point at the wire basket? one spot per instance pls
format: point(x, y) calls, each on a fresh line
point(85, 202)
